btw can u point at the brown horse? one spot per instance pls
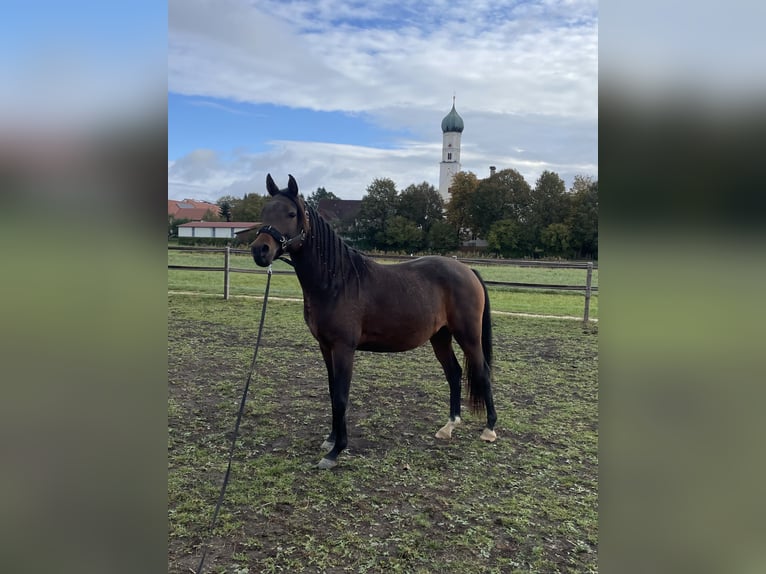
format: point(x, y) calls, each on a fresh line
point(351, 302)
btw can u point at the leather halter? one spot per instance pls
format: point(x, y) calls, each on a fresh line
point(283, 241)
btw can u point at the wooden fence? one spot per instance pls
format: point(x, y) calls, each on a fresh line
point(587, 289)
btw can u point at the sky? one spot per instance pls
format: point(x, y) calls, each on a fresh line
point(339, 93)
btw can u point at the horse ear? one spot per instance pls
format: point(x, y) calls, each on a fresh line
point(292, 186)
point(271, 187)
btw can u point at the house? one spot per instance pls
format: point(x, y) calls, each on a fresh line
point(191, 209)
point(215, 229)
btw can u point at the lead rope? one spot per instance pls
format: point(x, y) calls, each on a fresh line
point(239, 418)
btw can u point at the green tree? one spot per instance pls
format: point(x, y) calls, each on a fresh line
point(224, 209)
point(229, 200)
point(504, 195)
point(458, 208)
point(583, 217)
point(211, 215)
point(378, 207)
point(249, 208)
point(421, 204)
point(506, 237)
point(321, 193)
point(401, 234)
point(442, 238)
point(549, 202)
point(554, 239)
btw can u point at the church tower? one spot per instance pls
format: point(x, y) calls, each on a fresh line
point(452, 128)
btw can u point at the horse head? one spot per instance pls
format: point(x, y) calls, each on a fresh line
point(285, 223)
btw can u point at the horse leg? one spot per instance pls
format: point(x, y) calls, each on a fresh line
point(480, 383)
point(489, 434)
point(441, 342)
point(329, 442)
point(342, 367)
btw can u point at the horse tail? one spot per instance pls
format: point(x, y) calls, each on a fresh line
point(486, 326)
point(477, 379)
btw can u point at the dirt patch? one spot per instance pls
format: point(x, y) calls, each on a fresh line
point(400, 500)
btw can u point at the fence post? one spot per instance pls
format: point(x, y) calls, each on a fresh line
point(587, 292)
point(226, 273)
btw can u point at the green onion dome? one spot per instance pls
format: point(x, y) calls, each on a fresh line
point(452, 122)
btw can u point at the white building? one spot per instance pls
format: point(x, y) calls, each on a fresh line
point(222, 229)
point(452, 128)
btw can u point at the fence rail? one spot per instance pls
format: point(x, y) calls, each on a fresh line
point(587, 289)
point(467, 260)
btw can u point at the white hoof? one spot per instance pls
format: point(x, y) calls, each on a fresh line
point(326, 463)
point(488, 435)
point(446, 431)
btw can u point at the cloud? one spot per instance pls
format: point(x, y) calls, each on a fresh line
point(346, 170)
point(525, 75)
point(532, 59)
point(229, 50)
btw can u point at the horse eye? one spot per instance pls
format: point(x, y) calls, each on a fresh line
point(292, 214)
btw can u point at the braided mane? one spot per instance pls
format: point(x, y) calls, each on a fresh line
point(340, 266)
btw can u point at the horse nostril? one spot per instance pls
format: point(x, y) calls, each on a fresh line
point(260, 253)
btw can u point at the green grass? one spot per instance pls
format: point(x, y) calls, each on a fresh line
point(504, 299)
point(400, 500)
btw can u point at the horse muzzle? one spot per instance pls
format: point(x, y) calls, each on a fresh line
point(261, 246)
point(263, 252)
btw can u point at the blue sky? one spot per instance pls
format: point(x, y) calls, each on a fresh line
point(339, 93)
point(217, 123)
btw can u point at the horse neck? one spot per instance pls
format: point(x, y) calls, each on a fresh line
point(324, 263)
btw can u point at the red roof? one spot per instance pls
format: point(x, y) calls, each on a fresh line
point(190, 209)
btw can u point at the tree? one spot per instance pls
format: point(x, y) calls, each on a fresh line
point(422, 205)
point(506, 237)
point(504, 195)
point(554, 239)
point(249, 208)
point(320, 193)
point(229, 200)
point(211, 215)
point(442, 238)
point(583, 217)
point(224, 209)
point(549, 202)
point(378, 207)
point(462, 190)
point(401, 234)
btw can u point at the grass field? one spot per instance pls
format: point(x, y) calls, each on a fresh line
point(400, 500)
point(505, 299)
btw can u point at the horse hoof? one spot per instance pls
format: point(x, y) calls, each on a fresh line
point(327, 446)
point(446, 431)
point(326, 464)
point(488, 435)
